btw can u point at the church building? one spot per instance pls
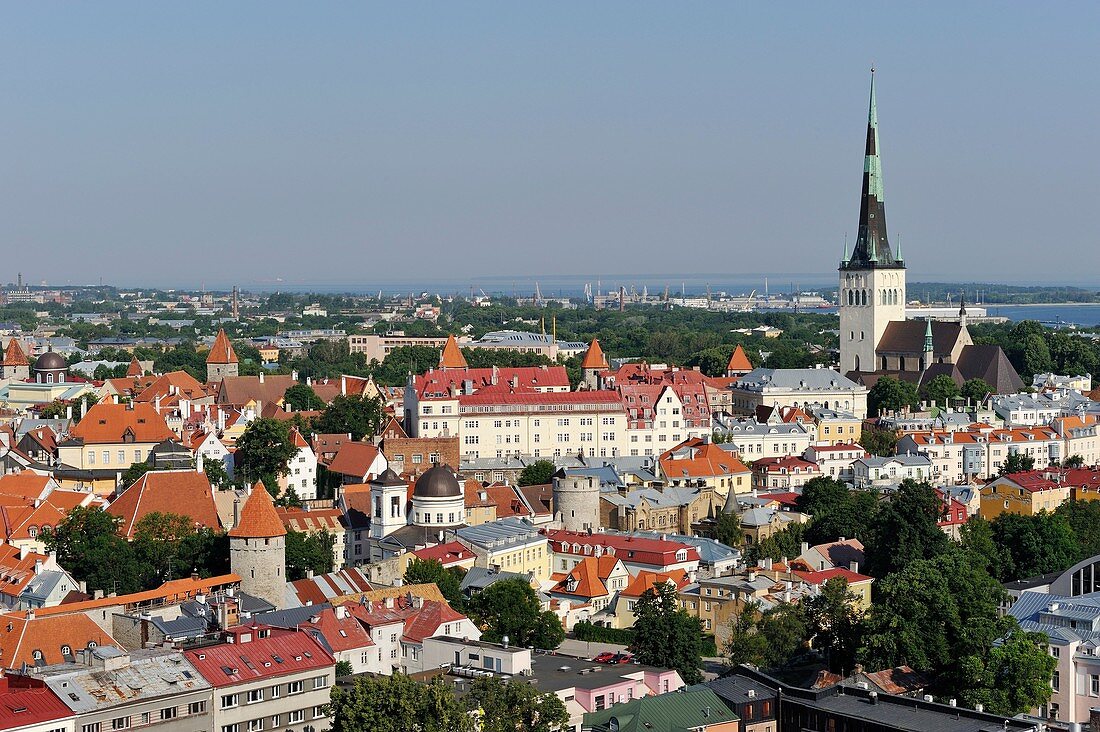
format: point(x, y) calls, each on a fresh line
point(875, 338)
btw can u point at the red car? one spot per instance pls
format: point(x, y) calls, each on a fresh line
point(604, 658)
point(622, 658)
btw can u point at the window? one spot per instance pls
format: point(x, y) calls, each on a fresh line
point(231, 728)
point(121, 457)
point(120, 723)
point(417, 458)
point(255, 695)
point(275, 690)
point(230, 700)
point(296, 716)
point(168, 713)
point(93, 727)
point(1054, 681)
point(320, 682)
point(255, 725)
point(198, 707)
point(295, 687)
point(91, 461)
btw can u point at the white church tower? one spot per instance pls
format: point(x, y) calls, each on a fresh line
point(872, 279)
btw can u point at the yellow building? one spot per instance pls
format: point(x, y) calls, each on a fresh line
point(510, 545)
point(1025, 493)
point(834, 428)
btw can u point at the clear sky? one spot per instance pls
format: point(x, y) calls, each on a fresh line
point(329, 143)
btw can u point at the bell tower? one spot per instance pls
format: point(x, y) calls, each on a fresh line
point(872, 278)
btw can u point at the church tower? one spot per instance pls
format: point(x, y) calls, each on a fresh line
point(872, 279)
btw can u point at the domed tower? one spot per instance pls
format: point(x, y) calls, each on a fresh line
point(437, 500)
point(257, 548)
point(222, 360)
point(388, 495)
point(16, 366)
point(51, 368)
point(577, 501)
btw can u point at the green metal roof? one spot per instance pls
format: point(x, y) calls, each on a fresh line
point(678, 711)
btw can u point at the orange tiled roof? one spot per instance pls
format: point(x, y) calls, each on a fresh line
point(739, 361)
point(646, 580)
point(222, 350)
point(14, 355)
point(590, 576)
point(135, 368)
point(113, 422)
point(185, 492)
point(451, 356)
point(593, 357)
point(258, 516)
point(173, 383)
point(706, 460)
point(21, 634)
point(26, 485)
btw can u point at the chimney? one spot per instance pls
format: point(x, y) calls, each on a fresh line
point(261, 376)
point(199, 467)
point(805, 547)
point(37, 567)
point(69, 411)
point(343, 386)
point(185, 409)
point(854, 566)
point(156, 404)
point(236, 512)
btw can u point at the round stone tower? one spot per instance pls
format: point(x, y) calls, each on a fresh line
point(577, 502)
point(257, 548)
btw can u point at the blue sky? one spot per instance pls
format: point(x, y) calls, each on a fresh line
point(190, 143)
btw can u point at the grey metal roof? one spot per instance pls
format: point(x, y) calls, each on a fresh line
point(807, 379)
point(747, 426)
point(478, 578)
point(503, 532)
point(149, 674)
point(876, 461)
point(291, 617)
point(670, 496)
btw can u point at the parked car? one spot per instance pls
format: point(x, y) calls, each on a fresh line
point(622, 658)
point(604, 657)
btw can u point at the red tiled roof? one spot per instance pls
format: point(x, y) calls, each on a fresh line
point(135, 368)
point(183, 492)
point(173, 384)
point(535, 397)
point(14, 355)
point(341, 633)
point(282, 652)
point(739, 361)
point(439, 382)
point(589, 577)
point(354, 459)
point(21, 634)
point(449, 554)
point(820, 577)
point(222, 351)
point(646, 580)
point(451, 356)
point(593, 357)
point(170, 592)
point(258, 517)
point(705, 460)
point(639, 550)
point(113, 423)
point(425, 623)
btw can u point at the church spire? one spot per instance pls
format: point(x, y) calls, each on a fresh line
point(872, 245)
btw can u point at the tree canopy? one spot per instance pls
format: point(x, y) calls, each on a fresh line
point(431, 571)
point(665, 635)
point(510, 608)
point(263, 452)
point(359, 416)
point(540, 472)
point(890, 395)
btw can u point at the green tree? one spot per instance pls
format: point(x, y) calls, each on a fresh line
point(1017, 462)
point(216, 474)
point(432, 571)
point(516, 706)
point(88, 545)
point(263, 453)
point(933, 613)
point(665, 635)
point(906, 529)
point(746, 644)
point(170, 546)
point(359, 416)
point(308, 552)
point(1012, 678)
point(941, 390)
point(1036, 544)
point(891, 395)
point(727, 530)
point(977, 540)
point(1083, 518)
point(302, 397)
point(511, 608)
point(836, 510)
point(1074, 461)
point(834, 624)
point(976, 390)
point(398, 704)
point(782, 544)
point(344, 668)
point(878, 440)
point(774, 639)
point(540, 472)
point(133, 473)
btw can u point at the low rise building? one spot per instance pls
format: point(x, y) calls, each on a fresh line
point(1025, 493)
point(807, 389)
point(511, 545)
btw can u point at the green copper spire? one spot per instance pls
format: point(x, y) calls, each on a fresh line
point(845, 260)
point(872, 248)
point(928, 336)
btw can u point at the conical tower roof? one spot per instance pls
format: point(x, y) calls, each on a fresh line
point(872, 248)
point(258, 518)
point(14, 355)
point(593, 357)
point(451, 357)
point(222, 351)
point(739, 361)
point(135, 368)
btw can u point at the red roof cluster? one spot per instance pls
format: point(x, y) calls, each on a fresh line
point(258, 651)
point(635, 549)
